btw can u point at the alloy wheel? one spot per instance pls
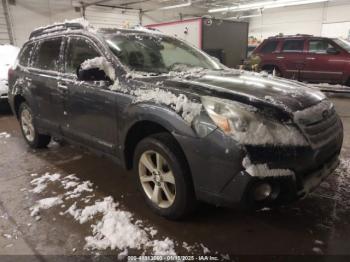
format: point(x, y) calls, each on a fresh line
point(27, 125)
point(157, 179)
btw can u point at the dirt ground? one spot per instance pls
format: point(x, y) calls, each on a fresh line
point(317, 225)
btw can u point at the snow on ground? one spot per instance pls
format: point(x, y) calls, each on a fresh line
point(111, 226)
point(4, 135)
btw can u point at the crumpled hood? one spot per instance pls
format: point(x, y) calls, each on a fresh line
point(247, 87)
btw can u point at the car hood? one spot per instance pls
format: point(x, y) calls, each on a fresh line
point(251, 88)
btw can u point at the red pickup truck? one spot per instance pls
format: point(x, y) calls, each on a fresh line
point(305, 58)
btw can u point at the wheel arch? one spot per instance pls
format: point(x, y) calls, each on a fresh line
point(17, 101)
point(145, 119)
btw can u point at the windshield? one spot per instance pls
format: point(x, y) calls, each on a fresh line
point(158, 54)
point(342, 43)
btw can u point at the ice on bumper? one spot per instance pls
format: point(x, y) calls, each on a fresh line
point(262, 170)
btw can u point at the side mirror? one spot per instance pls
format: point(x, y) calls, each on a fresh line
point(92, 74)
point(332, 51)
point(96, 69)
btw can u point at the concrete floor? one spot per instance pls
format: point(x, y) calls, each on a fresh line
point(291, 230)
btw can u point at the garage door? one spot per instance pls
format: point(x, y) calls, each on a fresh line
point(4, 34)
point(111, 17)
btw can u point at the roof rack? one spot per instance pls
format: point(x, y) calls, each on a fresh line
point(56, 28)
point(289, 36)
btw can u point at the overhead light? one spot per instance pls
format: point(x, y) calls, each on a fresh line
point(244, 16)
point(265, 5)
point(176, 6)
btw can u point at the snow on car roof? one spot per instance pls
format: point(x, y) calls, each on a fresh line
point(83, 24)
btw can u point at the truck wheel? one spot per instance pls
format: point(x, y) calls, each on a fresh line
point(163, 176)
point(29, 131)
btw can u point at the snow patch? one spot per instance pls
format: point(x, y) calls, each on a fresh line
point(181, 104)
point(164, 247)
point(112, 228)
point(262, 170)
point(4, 135)
point(45, 203)
point(41, 183)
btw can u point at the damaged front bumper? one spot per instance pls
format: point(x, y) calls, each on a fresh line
point(285, 173)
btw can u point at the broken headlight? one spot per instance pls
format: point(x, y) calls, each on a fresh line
point(247, 126)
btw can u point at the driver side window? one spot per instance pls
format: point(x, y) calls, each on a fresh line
point(79, 50)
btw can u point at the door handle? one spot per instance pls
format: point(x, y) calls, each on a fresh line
point(280, 57)
point(62, 86)
point(310, 58)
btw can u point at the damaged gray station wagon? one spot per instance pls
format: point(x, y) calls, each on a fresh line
point(190, 128)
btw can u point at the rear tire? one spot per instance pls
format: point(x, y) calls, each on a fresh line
point(30, 133)
point(163, 176)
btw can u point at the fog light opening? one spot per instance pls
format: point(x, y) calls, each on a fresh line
point(262, 191)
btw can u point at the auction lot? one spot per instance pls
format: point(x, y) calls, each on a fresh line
point(316, 225)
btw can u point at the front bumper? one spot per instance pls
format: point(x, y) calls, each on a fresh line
point(219, 177)
point(285, 189)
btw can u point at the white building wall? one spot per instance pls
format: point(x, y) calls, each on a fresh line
point(101, 16)
point(307, 19)
point(27, 15)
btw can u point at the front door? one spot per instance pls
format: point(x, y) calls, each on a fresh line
point(292, 57)
point(323, 62)
point(90, 116)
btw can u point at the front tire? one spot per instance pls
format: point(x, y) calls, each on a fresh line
point(30, 133)
point(163, 176)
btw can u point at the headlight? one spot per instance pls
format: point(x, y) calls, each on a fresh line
point(247, 126)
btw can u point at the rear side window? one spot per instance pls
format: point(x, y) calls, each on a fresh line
point(320, 46)
point(269, 47)
point(24, 59)
point(47, 55)
point(293, 46)
point(78, 51)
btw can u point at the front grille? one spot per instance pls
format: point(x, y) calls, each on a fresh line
point(320, 124)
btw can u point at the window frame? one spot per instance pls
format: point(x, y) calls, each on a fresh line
point(65, 56)
point(36, 52)
point(293, 51)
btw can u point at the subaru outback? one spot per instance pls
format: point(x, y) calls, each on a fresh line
point(190, 128)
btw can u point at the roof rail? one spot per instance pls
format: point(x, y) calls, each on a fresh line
point(56, 28)
point(296, 35)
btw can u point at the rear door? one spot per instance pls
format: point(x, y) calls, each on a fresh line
point(43, 79)
point(292, 57)
point(90, 116)
point(323, 62)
